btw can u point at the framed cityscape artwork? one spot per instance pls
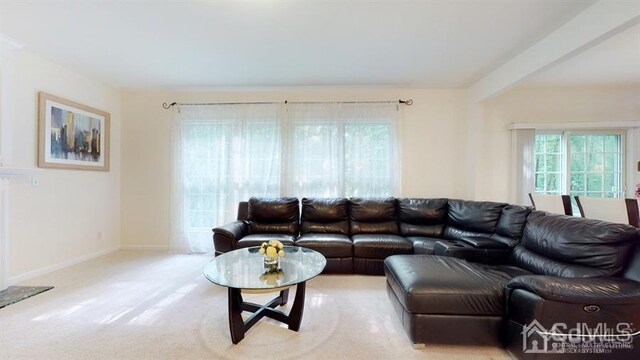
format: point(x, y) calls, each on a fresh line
point(71, 135)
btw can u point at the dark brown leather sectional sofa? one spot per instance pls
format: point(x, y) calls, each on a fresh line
point(469, 272)
point(356, 235)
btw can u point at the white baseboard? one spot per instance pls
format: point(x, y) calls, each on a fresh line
point(145, 247)
point(47, 269)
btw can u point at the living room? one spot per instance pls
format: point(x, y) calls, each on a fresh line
point(127, 281)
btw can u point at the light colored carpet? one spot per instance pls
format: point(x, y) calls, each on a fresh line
point(152, 305)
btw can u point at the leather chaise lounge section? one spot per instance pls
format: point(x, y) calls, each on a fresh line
point(565, 270)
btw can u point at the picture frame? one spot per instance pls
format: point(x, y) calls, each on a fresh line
point(72, 135)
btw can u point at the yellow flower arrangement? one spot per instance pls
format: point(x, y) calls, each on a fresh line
point(272, 249)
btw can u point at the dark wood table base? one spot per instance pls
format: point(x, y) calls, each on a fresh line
point(239, 327)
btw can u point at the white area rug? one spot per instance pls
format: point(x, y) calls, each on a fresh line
point(144, 305)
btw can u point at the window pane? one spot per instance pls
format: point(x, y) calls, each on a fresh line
point(611, 182)
point(577, 143)
point(611, 162)
point(603, 164)
point(612, 143)
point(553, 144)
point(553, 163)
point(595, 143)
point(540, 180)
point(594, 182)
point(577, 163)
point(553, 182)
point(540, 163)
point(549, 163)
point(540, 140)
point(577, 182)
point(594, 162)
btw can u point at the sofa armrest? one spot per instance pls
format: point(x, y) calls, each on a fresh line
point(484, 242)
point(600, 290)
point(225, 237)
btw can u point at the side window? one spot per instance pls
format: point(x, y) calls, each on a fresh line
point(580, 164)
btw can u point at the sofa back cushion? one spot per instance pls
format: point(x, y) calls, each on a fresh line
point(243, 210)
point(472, 218)
point(511, 224)
point(373, 216)
point(422, 217)
point(567, 246)
point(273, 215)
point(324, 216)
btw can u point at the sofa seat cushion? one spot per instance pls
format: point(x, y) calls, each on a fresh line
point(379, 246)
point(426, 284)
point(258, 239)
point(329, 245)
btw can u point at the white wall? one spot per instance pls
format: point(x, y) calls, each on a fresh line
point(541, 105)
point(58, 222)
point(432, 130)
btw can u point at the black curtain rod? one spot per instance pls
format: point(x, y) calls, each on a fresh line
point(407, 102)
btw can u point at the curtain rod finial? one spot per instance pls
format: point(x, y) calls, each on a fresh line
point(167, 106)
point(407, 102)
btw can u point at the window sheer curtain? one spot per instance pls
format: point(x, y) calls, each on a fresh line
point(522, 171)
point(343, 150)
point(222, 154)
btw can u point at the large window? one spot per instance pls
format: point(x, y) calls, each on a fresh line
point(226, 154)
point(580, 163)
point(343, 150)
point(226, 160)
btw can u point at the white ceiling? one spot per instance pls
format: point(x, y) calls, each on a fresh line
point(615, 61)
point(174, 44)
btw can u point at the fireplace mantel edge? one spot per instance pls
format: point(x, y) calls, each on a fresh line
point(17, 174)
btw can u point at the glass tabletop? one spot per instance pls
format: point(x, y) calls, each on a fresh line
point(244, 268)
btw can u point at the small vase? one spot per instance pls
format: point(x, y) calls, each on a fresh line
point(271, 264)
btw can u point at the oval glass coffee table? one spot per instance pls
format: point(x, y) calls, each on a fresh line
point(243, 269)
